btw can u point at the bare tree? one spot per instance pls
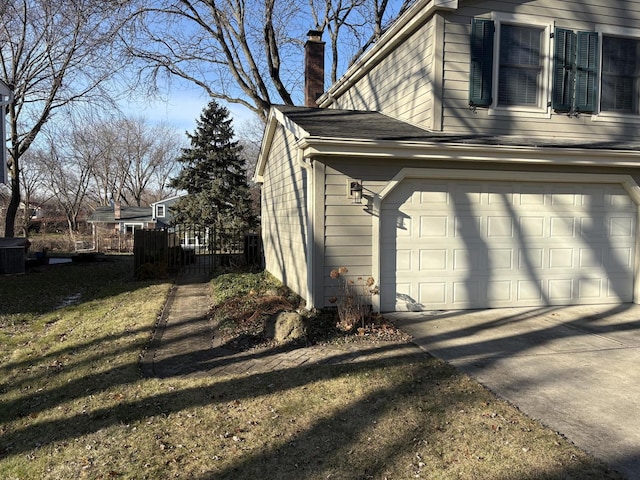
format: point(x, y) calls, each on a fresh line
point(55, 55)
point(67, 174)
point(133, 161)
point(32, 182)
point(100, 140)
point(150, 153)
point(249, 51)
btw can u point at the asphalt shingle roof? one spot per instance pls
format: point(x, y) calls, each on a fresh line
point(127, 214)
point(369, 125)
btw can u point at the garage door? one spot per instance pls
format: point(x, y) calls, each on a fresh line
point(453, 244)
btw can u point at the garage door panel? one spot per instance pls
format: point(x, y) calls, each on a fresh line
point(590, 257)
point(620, 199)
point(499, 226)
point(434, 195)
point(500, 258)
point(590, 288)
point(467, 194)
point(500, 292)
point(621, 227)
point(433, 226)
point(532, 226)
point(560, 290)
point(465, 259)
point(593, 228)
point(434, 260)
point(404, 260)
point(467, 225)
point(433, 293)
point(529, 290)
point(561, 258)
point(530, 258)
point(562, 227)
point(472, 245)
point(618, 287)
point(622, 258)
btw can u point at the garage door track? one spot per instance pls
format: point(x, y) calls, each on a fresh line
point(576, 369)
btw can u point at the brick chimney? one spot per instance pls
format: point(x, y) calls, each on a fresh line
point(116, 211)
point(313, 68)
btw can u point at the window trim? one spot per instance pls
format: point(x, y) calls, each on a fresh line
point(611, 31)
point(543, 110)
point(133, 225)
point(161, 211)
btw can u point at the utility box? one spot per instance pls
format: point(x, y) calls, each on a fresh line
point(13, 255)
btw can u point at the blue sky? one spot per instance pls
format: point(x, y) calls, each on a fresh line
point(183, 101)
point(180, 108)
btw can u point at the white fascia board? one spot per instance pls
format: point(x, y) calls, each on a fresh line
point(396, 34)
point(168, 199)
point(455, 152)
point(275, 118)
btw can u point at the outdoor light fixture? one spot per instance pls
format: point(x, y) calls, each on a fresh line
point(355, 191)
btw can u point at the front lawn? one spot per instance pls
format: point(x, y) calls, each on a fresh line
point(73, 403)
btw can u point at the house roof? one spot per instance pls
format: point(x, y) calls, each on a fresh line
point(169, 200)
point(358, 133)
point(362, 124)
point(127, 214)
point(354, 124)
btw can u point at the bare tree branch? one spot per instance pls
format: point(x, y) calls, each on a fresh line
point(56, 55)
point(249, 52)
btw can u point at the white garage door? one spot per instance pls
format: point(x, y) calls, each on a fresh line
point(453, 244)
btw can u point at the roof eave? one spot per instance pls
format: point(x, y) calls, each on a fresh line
point(275, 118)
point(466, 152)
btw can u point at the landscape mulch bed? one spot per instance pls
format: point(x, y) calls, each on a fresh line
point(242, 324)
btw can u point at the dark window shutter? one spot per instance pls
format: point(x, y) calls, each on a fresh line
point(480, 85)
point(587, 72)
point(563, 71)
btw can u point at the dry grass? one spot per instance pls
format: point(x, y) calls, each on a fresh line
point(74, 405)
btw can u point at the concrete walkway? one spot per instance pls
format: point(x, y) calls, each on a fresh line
point(185, 343)
point(576, 369)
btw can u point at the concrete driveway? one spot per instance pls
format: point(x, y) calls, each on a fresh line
point(576, 369)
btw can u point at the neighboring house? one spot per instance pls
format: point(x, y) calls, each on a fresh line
point(124, 219)
point(6, 97)
point(493, 147)
point(161, 211)
point(115, 220)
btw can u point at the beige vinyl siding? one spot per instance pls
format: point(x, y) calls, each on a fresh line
point(284, 214)
point(401, 84)
point(348, 227)
point(585, 16)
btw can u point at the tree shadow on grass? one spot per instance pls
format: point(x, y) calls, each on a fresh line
point(344, 443)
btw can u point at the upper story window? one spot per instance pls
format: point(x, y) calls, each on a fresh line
point(518, 79)
point(521, 69)
point(583, 72)
point(620, 74)
point(160, 211)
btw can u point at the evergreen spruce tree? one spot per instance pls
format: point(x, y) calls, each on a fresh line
point(215, 177)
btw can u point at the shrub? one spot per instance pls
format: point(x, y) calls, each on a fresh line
point(353, 299)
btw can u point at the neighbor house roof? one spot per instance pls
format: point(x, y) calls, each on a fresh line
point(127, 214)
